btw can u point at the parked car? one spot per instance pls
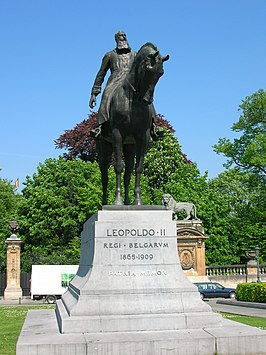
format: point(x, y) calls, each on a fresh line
point(214, 289)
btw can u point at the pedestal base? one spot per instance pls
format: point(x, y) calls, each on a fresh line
point(12, 293)
point(130, 278)
point(40, 336)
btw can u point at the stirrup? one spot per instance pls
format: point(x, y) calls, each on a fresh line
point(95, 133)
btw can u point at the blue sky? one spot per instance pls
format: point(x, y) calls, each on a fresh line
point(51, 51)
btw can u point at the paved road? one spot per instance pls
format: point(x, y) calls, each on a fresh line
point(24, 301)
point(235, 307)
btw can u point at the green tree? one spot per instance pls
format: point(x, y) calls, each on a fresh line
point(169, 171)
point(243, 187)
point(243, 220)
point(56, 202)
point(163, 159)
point(9, 200)
point(187, 184)
point(248, 152)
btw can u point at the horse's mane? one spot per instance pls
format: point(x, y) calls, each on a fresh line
point(148, 44)
point(144, 51)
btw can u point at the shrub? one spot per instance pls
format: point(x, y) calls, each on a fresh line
point(251, 292)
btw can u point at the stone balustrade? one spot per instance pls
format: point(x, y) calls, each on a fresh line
point(232, 275)
point(231, 270)
point(226, 270)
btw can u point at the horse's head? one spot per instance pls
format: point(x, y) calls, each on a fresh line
point(148, 70)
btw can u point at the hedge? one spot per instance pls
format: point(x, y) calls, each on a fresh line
point(251, 292)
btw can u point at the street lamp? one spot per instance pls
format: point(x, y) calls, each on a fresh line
point(257, 253)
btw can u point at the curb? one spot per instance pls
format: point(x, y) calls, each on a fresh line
point(242, 304)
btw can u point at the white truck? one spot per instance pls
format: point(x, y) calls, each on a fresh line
point(49, 282)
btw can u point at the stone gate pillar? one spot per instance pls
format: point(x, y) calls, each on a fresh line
point(13, 290)
point(191, 246)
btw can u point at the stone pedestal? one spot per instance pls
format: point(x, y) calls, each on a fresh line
point(130, 278)
point(252, 268)
point(13, 290)
point(131, 296)
point(191, 247)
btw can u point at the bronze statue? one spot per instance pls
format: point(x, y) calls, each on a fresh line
point(126, 113)
point(119, 62)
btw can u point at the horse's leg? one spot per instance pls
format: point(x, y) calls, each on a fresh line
point(129, 154)
point(104, 177)
point(118, 165)
point(105, 151)
point(141, 146)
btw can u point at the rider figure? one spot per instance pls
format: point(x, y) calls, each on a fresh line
point(119, 62)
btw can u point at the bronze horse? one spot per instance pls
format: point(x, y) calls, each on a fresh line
point(127, 132)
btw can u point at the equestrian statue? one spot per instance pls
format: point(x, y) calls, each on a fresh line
point(125, 120)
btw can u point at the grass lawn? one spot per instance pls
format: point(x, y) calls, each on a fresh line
point(253, 321)
point(12, 319)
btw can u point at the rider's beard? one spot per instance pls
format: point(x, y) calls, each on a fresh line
point(122, 44)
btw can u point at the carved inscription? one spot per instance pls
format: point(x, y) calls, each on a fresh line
point(136, 247)
point(132, 247)
point(146, 245)
point(136, 256)
point(130, 273)
point(134, 232)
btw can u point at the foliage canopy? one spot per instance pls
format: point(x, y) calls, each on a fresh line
point(56, 202)
point(248, 152)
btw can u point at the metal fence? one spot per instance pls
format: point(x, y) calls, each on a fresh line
point(24, 283)
point(2, 283)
